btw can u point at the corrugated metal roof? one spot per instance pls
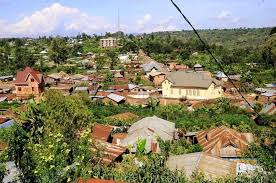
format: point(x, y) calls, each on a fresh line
point(223, 141)
point(2, 99)
point(211, 167)
point(110, 152)
point(191, 79)
point(132, 86)
point(6, 77)
point(81, 89)
point(101, 132)
point(149, 128)
point(115, 97)
point(151, 65)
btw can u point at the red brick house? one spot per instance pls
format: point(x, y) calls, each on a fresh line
point(29, 82)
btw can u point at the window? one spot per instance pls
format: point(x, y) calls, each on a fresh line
point(179, 91)
point(197, 92)
point(190, 92)
point(32, 88)
point(194, 92)
point(32, 80)
point(171, 91)
point(187, 92)
point(19, 88)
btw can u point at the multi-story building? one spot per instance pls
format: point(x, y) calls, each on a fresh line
point(29, 82)
point(109, 42)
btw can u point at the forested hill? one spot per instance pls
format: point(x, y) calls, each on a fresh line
point(231, 38)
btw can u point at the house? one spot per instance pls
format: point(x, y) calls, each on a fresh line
point(102, 132)
point(6, 78)
point(109, 43)
point(65, 89)
point(153, 66)
point(191, 85)
point(114, 99)
point(173, 66)
point(211, 167)
point(198, 67)
point(124, 58)
point(29, 82)
point(149, 128)
point(157, 77)
point(81, 89)
point(224, 142)
point(109, 152)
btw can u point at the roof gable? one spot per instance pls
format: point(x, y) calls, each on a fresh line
point(216, 139)
point(22, 76)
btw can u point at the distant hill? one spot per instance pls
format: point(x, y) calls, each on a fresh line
point(231, 38)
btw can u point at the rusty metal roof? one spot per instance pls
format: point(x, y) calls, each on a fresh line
point(212, 167)
point(101, 132)
point(108, 153)
point(223, 141)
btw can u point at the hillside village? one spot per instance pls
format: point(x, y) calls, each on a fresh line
point(112, 114)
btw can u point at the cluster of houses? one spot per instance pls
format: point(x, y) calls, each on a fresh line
point(170, 83)
point(221, 155)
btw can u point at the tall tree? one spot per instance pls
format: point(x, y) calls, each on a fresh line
point(58, 50)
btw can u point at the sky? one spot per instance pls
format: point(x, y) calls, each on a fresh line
point(33, 18)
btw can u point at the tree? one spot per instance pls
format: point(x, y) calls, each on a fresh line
point(269, 53)
point(58, 51)
point(113, 56)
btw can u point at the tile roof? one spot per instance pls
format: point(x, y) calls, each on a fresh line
point(22, 76)
point(223, 141)
point(191, 79)
point(212, 167)
point(101, 132)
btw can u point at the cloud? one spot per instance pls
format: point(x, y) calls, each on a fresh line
point(168, 24)
point(227, 16)
point(146, 19)
point(55, 19)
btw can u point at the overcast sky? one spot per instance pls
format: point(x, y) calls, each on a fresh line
point(68, 17)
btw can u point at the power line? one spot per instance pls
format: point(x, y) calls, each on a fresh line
point(212, 55)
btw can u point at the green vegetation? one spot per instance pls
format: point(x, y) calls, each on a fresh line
point(47, 148)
